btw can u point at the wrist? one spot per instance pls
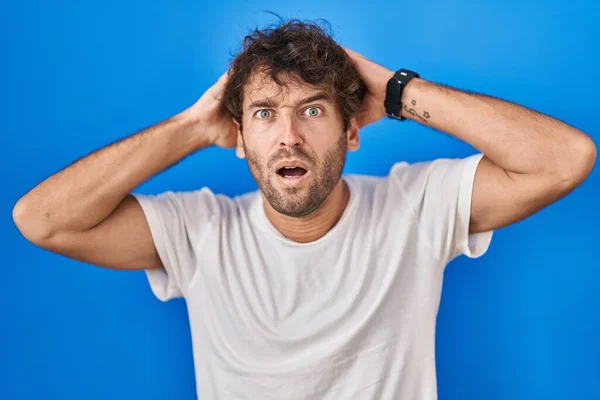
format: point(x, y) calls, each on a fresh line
point(192, 126)
point(411, 89)
point(410, 95)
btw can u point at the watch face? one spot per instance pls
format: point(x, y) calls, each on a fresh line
point(393, 89)
point(392, 97)
point(393, 93)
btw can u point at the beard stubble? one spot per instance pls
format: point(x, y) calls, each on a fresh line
point(299, 201)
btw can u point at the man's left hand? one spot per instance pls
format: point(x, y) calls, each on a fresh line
point(375, 78)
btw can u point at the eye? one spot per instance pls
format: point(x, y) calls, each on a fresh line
point(263, 114)
point(313, 111)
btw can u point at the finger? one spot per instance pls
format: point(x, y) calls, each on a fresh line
point(353, 53)
point(219, 86)
point(224, 77)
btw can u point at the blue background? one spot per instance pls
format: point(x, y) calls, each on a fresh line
point(519, 323)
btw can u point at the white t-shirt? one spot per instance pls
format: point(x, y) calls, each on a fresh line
point(351, 315)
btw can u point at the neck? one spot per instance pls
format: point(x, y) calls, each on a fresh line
point(315, 225)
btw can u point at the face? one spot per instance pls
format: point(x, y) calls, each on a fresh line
point(294, 143)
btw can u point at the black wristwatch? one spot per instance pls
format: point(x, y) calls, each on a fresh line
point(394, 90)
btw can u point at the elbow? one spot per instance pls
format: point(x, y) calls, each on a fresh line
point(28, 224)
point(593, 153)
point(588, 153)
point(579, 163)
point(18, 215)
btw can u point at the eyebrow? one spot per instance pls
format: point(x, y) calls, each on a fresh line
point(268, 103)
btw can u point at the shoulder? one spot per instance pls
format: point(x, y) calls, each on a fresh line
point(415, 185)
point(420, 175)
point(181, 201)
point(196, 205)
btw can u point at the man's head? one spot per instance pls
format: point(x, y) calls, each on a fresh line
point(294, 94)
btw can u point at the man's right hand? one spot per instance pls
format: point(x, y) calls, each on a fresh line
point(212, 116)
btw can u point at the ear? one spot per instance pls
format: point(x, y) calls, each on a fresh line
point(239, 148)
point(352, 134)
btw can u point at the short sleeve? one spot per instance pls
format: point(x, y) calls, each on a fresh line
point(179, 223)
point(440, 194)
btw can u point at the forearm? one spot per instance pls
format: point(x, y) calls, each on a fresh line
point(83, 194)
point(515, 138)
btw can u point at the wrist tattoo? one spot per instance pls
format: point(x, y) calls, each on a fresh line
point(413, 112)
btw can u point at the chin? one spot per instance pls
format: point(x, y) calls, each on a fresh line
point(295, 201)
point(295, 212)
point(285, 204)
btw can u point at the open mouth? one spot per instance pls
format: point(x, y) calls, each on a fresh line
point(292, 175)
point(291, 172)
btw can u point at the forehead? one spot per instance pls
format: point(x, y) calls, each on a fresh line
point(260, 86)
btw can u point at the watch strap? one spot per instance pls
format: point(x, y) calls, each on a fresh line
point(394, 90)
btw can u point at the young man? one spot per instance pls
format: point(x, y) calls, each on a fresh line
point(317, 285)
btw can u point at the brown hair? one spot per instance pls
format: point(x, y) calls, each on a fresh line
point(304, 53)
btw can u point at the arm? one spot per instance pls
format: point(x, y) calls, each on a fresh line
point(85, 211)
point(531, 159)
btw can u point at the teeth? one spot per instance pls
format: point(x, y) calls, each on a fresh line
point(289, 167)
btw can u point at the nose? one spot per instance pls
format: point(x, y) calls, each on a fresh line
point(290, 133)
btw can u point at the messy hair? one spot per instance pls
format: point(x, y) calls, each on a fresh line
point(300, 52)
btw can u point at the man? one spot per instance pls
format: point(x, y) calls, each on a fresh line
point(316, 286)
